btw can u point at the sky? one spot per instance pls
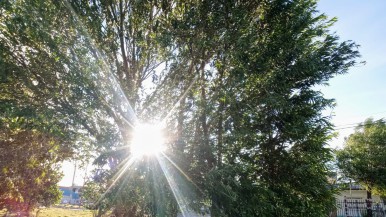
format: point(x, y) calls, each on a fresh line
point(359, 94)
point(68, 172)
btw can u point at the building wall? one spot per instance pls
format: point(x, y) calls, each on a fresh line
point(70, 195)
point(356, 195)
point(353, 203)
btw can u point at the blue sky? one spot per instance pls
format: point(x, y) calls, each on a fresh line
point(362, 92)
point(359, 94)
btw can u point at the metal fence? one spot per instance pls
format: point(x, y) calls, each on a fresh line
point(359, 208)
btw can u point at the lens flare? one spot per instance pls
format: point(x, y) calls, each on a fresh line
point(148, 140)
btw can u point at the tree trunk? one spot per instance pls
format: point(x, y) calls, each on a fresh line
point(220, 113)
point(369, 203)
point(180, 122)
point(204, 125)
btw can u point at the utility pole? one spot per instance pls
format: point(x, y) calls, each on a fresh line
point(73, 183)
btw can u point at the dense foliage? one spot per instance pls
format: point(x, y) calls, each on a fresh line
point(363, 156)
point(234, 82)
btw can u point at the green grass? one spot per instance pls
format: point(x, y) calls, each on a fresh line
point(60, 211)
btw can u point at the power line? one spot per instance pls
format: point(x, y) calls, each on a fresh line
point(359, 124)
point(342, 125)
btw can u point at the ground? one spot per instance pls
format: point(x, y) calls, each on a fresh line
point(60, 211)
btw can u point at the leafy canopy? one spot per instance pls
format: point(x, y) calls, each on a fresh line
point(363, 155)
point(234, 82)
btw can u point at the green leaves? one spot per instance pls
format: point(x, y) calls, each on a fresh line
point(363, 156)
point(29, 168)
point(234, 82)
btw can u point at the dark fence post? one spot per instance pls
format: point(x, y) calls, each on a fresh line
point(355, 208)
point(369, 204)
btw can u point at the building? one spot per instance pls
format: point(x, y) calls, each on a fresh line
point(70, 195)
point(352, 202)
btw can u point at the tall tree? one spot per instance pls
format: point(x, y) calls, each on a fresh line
point(44, 111)
point(234, 81)
point(363, 157)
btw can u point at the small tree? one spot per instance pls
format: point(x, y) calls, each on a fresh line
point(28, 171)
point(363, 157)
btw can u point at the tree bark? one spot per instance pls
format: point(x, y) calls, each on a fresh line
point(181, 114)
point(220, 127)
point(204, 125)
point(180, 121)
point(369, 203)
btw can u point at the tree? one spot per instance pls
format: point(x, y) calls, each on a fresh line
point(29, 170)
point(272, 134)
point(233, 81)
point(31, 148)
point(35, 131)
point(363, 157)
point(32, 144)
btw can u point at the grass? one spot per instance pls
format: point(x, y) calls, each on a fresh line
point(60, 211)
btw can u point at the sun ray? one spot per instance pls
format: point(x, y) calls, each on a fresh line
point(182, 202)
point(106, 75)
point(129, 117)
point(182, 172)
point(129, 161)
point(179, 100)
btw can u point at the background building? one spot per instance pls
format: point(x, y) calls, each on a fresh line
point(70, 195)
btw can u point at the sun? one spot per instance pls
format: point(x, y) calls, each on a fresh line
point(148, 140)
